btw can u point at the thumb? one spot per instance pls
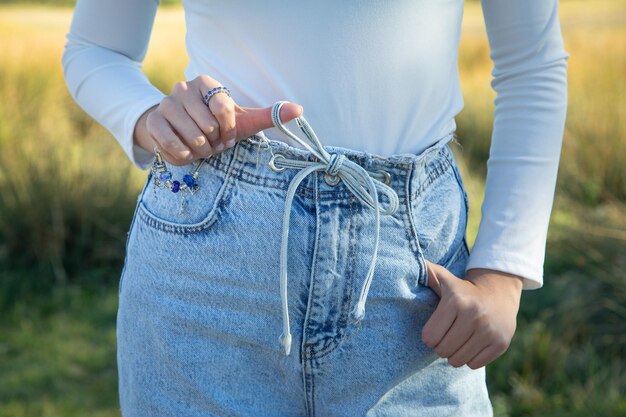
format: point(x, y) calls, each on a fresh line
point(439, 277)
point(251, 120)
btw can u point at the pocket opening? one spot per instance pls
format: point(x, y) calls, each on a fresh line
point(160, 208)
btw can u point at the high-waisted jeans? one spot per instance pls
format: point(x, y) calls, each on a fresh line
point(209, 294)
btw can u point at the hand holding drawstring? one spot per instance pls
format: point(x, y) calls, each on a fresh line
point(185, 127)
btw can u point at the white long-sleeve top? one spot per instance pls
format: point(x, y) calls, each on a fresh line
point(377, 76)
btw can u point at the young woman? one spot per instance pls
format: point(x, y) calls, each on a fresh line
point(322, 269)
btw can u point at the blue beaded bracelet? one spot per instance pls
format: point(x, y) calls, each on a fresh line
point(162, 178)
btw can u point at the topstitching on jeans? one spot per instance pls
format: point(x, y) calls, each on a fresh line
point(347, 296)
point(244, 163)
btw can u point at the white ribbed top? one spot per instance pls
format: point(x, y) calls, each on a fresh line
point(376, 76)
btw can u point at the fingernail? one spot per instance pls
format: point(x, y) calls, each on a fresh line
point(219, 146)
point(190, 157)
point(230, 143)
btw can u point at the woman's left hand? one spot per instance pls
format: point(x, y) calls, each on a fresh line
point(476, 317)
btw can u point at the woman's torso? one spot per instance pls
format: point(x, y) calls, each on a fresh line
point(374, 76)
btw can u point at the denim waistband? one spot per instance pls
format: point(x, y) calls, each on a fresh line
point(349, 173)
point(408, 173)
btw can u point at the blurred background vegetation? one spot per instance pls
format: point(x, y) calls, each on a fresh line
point(65, 3)
point(67, 194)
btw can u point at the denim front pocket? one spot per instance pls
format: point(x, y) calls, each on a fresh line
point(164, 210)
point(463, 251)
point(438, 212)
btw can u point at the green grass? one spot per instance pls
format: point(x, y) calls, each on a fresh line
point(67, 194)
point(58, 353)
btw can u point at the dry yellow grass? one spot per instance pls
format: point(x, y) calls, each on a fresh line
point(36, 112)
point(67, 192)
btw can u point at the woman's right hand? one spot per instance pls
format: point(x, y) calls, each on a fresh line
point(184, 129)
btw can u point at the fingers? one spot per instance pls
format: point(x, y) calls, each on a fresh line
point(438, 324)
point(222, 109)
point(173, 149)
point(439, 278)
point(457, 335)
point(433, 279)
point(485, 336)
point(234, 122)
point(206, 122)
point(487, 355)
point(170, 158)
point(471, 325)
point(468, 350)
point(445, 284)
point(185, 127)
point(253, 120)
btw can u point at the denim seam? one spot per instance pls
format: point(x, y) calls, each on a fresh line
point(417, 251)
point(457, 174)
point(130, 231)
point(361, 159)
point(467, 249)
point(460, 183)
point(306, 347)
point(459, 178)
point(414, 231)
point(461, 249)
point(263, 181)
point(353, 245)
point(305, 361)
point(245, 176)
point(347, 293)
point(181, 229)
point(431, 178)
point(440, 167)
point(413, 244)
point(241, 175)
point(308, 364)
point(312, 382)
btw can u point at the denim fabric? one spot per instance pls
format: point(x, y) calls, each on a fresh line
point(199, 315)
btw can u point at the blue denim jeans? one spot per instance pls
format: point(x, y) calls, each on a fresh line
point(200, 309)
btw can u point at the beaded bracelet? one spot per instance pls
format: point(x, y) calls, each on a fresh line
point(162, 178)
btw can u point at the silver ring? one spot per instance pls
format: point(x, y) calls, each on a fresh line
point(211, 92)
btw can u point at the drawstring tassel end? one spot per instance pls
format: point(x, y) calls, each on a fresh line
point(285, 341)
point(359, 311)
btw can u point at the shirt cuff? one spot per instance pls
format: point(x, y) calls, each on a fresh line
point(531, 272)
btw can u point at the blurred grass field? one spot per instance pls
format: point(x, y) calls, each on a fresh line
point(67, 194)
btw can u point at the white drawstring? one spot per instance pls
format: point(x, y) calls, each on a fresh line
point(355, 177)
